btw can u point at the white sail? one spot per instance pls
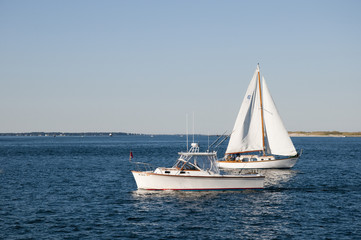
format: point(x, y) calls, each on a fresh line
point(279, 142)
point(247, 132)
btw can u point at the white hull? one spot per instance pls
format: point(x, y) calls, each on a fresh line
point(264, 164)
point(154, 181)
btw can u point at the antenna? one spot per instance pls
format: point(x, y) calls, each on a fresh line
point(208, 140)
point(193, 126)
point(187, 129)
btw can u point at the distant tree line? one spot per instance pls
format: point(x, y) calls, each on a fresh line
point(327, 133)
point(56, 134)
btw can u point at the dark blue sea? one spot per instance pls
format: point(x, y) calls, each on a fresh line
point(82, 188)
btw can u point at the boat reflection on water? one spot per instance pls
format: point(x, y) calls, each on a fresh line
point(273, 177)
point(188, 195)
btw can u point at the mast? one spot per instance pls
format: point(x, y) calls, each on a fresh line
point(260, 95)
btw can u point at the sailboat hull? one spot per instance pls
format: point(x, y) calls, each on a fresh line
point(153, 181)
point(264, 164)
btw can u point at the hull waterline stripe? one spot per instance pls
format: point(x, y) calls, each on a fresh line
point(205, 189)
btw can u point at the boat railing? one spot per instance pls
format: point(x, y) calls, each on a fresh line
point(142, 166)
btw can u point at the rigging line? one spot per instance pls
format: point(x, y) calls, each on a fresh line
point(223, 140)
point(265, 110)
point(217, 140)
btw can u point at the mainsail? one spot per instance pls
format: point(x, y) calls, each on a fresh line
point(247, 133)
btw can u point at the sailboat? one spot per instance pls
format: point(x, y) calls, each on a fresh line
point(259, 138)
point(195, 171)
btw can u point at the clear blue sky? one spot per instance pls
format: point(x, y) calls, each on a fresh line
point(141, 66)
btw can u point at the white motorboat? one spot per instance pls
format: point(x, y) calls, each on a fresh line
point(196, 171)
point(259, 138)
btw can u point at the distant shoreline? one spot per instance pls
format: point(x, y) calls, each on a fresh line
point(113, 134)
point(63, 134)
point(324, 134)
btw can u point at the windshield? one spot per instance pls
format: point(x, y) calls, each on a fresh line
point(185, 165)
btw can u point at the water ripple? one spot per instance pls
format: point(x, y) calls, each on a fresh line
point(81, 188)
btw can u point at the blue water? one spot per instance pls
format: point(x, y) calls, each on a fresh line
point(82, 188)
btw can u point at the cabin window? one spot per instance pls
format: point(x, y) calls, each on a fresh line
point(167, 171)
point(245, 160)
point(254, 159)
point(188, 166)
point(180, 164)
point(185, 166)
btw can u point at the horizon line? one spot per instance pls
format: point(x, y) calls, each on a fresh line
point(137, 133)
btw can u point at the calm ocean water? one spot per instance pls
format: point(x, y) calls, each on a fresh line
point(82, 188)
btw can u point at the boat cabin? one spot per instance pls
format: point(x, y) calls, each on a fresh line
point(193, 162)
point(248, 158)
